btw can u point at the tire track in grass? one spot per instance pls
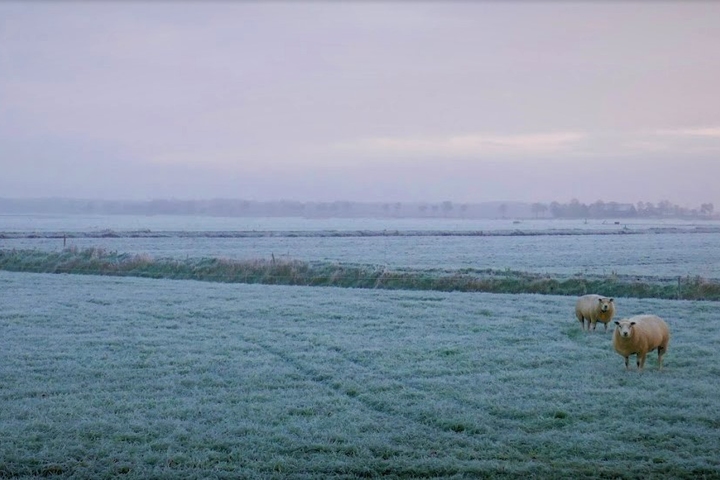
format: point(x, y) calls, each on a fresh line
point(384, 452)
point(474, 422)
point(359, 384)
point(473, 437)
point(428, 400)
point(442, 410)
point(445, 450)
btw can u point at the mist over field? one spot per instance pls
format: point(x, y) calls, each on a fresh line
point(661, 211)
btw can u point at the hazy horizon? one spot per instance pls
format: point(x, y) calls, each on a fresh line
point(469, 102)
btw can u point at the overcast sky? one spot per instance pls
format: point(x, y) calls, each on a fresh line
point(365, 101)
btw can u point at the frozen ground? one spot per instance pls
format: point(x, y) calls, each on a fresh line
point(146, 378)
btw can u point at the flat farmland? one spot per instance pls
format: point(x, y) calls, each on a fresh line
point(103, 377)
point(163, 223)
point(653, 248)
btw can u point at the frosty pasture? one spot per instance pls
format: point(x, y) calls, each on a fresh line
point(104, 376)
point(661, 248)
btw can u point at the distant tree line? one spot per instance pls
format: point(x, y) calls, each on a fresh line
point(289, 208)
point(278, 208)
point(600, 209)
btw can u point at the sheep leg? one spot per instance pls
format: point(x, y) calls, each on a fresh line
point(627, 362)
point(661, 352)
point(641, 360)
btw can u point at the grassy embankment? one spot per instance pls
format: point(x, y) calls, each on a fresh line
point(96, 261)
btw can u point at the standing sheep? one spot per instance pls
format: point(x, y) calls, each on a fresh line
point(639, 335)
point(594, 308)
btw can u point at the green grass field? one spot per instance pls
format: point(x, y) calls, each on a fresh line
point(106, 377)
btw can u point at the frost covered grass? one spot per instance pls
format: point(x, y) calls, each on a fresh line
point(98, 261)
point(139, 378)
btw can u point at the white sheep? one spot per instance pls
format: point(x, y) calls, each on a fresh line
point(639, 335)
point(594, 308)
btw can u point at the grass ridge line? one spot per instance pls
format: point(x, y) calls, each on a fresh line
point(99, 261)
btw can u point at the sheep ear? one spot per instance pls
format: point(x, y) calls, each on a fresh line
point(600, 300)
point(632, 323)
point(617, 323)
point(611, 300)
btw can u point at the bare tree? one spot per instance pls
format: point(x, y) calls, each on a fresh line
point(502, 209)
point(463, 209)
point(538, 209)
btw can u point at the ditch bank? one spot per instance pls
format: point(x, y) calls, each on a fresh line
point(98, 261)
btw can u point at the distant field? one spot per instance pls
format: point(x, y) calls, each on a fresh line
point(103, 376)
point(671, 253)
point(79, 222)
